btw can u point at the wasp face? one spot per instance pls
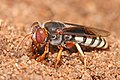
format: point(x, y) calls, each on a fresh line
point(39, 34)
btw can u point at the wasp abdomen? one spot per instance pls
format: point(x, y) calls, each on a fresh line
point(97, 42)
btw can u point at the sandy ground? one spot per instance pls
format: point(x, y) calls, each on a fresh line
point(16, 16)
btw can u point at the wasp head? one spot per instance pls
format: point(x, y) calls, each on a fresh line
point(39, 33)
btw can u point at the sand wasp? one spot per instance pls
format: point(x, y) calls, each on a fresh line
point(64, 35)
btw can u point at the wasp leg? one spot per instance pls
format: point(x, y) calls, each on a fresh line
point(69, 45)
point(81, 52)
point(45, 52)
point(59, 56)
point(33, 54)
point(79, 49)
point(33, 51)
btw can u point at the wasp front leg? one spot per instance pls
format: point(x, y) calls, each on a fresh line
point(45, 52)
point(34, 51)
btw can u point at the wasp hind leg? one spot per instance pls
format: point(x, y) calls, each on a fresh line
point(59, 56)
point(81, 52)
point(45, 52)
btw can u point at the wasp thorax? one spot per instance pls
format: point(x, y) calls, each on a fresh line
point(39, 35)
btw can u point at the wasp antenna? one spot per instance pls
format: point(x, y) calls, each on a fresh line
point(27, 36)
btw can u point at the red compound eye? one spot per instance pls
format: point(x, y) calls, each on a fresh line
point(40, 35)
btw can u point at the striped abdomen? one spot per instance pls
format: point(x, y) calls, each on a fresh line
point(97, 42)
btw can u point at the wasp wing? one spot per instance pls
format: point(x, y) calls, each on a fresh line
point(80, 30)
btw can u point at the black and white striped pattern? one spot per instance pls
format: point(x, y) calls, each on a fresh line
point(97, 42)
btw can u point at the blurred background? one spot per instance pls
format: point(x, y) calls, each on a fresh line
point(104, 14)
point(16, 17)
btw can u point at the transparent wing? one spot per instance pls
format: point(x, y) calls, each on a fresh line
point(80, 30)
